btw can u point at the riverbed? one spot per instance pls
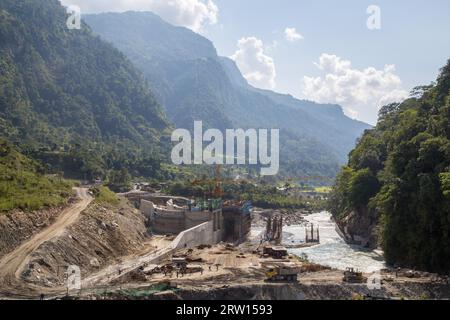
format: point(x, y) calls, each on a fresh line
point(332, 251)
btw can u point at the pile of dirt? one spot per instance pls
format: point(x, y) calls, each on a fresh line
point(134, 276)
point(102, 235)
point(18, 226)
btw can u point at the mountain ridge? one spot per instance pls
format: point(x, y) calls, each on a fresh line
point(201, 86)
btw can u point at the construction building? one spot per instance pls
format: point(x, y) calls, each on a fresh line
point(230, 221)
point(237, 221)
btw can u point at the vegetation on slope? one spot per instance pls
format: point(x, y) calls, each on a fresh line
point(103, 195)
point(23, 186)
point(72, 101)
point(399, 174)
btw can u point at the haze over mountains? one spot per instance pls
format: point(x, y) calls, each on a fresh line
point(193, 83)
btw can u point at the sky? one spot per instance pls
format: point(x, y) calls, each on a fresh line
point(357, 53)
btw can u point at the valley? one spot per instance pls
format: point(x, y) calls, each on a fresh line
point(137, 162)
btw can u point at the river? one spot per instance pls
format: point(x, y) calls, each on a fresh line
point(332, 251)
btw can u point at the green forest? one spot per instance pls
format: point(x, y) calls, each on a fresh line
point(399, 174)
point(24, 186)
point(72, 101)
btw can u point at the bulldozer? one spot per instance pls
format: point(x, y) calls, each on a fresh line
point(282, 273)
point(353, 276)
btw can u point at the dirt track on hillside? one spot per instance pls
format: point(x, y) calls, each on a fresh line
point(12, 264)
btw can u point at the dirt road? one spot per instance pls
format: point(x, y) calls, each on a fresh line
point(12, 264)
point(160, 248)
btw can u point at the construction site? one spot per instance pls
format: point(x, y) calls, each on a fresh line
point(156, 246)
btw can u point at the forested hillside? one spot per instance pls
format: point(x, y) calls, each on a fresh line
point(399, 177)
point(70, 100)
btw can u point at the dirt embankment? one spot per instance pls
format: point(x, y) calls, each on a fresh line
point(18, 226)
point(314, 292)
point(101, 235)
point(299, 291)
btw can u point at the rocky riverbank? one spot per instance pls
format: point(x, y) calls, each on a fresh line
point(360, 228)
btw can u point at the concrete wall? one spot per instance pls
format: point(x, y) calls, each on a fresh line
point(168, 224)
point(163, 220)
point(166, 220)
point(147, 208)
point(195, 218)
point(203, 234)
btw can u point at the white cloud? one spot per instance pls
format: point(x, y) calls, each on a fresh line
point(360, 92)
point(194, 14)
point(292, 35)
point(256, 66)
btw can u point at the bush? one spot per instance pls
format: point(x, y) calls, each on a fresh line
point(104, 195)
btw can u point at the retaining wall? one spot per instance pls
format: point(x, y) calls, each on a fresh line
point(203, 234)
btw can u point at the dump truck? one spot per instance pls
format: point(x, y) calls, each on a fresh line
point(276, 252)
point(353, 276)
point(282, 273)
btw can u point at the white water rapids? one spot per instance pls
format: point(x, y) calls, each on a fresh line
point(332, 251)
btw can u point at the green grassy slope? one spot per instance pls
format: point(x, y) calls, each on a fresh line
point(23, 187)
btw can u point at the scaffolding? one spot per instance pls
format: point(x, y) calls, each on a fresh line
point(311, 235)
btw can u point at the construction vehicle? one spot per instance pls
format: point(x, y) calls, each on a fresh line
point(179, 262)
point(282, 273)
point(275, 252)
point(353, 276)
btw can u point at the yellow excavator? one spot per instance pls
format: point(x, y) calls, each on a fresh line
point(353, 276)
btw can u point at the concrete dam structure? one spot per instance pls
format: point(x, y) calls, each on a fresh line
point(221, 222)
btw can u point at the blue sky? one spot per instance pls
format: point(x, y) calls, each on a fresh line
point(337, 59)
point(414, 37)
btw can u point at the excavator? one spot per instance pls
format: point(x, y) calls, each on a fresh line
point(353, 276)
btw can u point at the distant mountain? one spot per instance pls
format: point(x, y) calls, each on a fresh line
point(71, 100)
point(194, 83)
